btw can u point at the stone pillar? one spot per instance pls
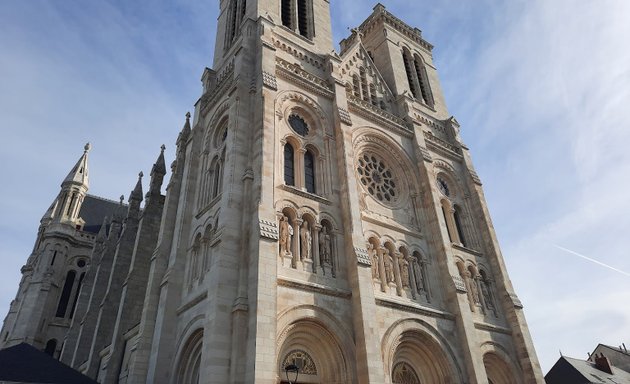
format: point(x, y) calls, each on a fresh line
point(381, 267)
point(397, 278)
point(316, 229)
point(295, 247)
point(412, 276)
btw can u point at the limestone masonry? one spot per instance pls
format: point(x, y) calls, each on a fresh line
point(322, 211)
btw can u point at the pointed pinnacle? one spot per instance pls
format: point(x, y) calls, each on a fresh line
point(87, 147)
point(188, 115)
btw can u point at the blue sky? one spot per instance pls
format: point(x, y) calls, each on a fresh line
point(541, 89)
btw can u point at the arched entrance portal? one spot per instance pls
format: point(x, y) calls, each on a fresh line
point(497, 369)
point(316, 352)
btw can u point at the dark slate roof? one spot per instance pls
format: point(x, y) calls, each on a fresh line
point(93, 211)
point(568, 370)
point(24, 363)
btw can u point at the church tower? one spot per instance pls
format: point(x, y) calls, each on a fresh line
point(322, 212)
point(70, 230)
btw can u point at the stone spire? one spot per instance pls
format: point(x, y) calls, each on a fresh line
point(185, 132)
point(79, 173)
point(157, 174)
point(74, 187)
point(135, 198)
point(102, 233)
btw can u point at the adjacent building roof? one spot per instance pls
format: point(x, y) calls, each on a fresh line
point(568, 370)
point(24, 363)
point(94, 209)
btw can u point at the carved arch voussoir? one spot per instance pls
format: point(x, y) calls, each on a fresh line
point(289, 99)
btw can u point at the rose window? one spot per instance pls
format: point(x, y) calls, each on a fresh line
point(377, 178)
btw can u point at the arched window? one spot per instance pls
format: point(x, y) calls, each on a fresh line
point(190, 361)
point(235, 16)
point(458, 225)
point(289, 165)
point(309, 172)
point(403, 373)
point(287, 14)
point(297, 15)
point(423, 81)
point(64, 299)
point(217, 172)
point(356, 86)
point(364, 85)
point(446, 219)
point(51, 347)
point(409, 70)
point(76, 294)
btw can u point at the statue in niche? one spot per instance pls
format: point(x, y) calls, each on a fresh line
point(285, 236)
point(472, 284)
point(306, 241)
point(388, 262)
point(417, 272)
point(404, 271)
point(487, 295)
point(325, 246)
point(374, 257)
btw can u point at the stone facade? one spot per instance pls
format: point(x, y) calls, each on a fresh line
point(322, 211)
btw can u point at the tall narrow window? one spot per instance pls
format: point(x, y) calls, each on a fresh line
point(356, 86)
point(309, 172)
point(287, 14)
point(218, 178)
point(425, 90)
point(458, 225)
point(65, 294)
point(364, 85)
point(373, 97)
point(289, 165)
point(76, 295)
point(448, 227)
point(409, 70)
point(303, 18)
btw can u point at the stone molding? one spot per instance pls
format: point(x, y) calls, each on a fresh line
point(344, 115)
point(269, 80)
point(413, 308)
point(295, 74)
point(268, 229)
point(460, 286)
point(363, 257)
point(379, 116)
point(493, 328)
point(313, 287)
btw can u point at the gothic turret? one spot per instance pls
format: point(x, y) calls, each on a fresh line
point(74, 187)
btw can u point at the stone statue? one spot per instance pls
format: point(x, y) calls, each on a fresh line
point(325, 246)
point(417, 272)
point(404, 271)
point(306, 241)
point(285, 236)
point(474, 291)
point(487, 297)
point(374, 257)
point(388, 262)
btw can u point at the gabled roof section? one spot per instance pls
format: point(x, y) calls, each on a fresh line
point(94, 209)
point(355, 57)
point(24, 363)
point(569, 368)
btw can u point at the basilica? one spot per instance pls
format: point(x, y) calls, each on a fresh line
point(322, 218)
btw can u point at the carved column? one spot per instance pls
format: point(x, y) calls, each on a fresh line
point(482, 300)
point(396, 258)
point(295, 261)
point(316, 260)
point(381, 266)
point(412, 275)
point(299, 168)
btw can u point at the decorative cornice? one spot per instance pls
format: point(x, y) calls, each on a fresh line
point(269, 80)
point(466, 249)
point(268, 229)
point(315, 288)
point(493, 328)
point(297, 75)
point(380, 14)
point(302, 193)
point(413, 308)
point(297, 52)
point(198, 299)
point(442, 145)
point(344, 115)
point(474, 176)
point(371, 112)
point(362, 256)
point(224, 81)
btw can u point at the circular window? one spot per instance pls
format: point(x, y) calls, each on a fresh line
point(299, 125)
point(443, 187)
point(377, 178)
point(81, 263)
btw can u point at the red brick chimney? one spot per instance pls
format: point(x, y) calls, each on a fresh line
point(603, 364)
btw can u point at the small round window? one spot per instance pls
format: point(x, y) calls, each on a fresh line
point(443, 187)
point(299, 125)
point(81, 263)
point(377, 178)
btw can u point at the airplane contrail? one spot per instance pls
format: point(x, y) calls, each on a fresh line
point(592, 260)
